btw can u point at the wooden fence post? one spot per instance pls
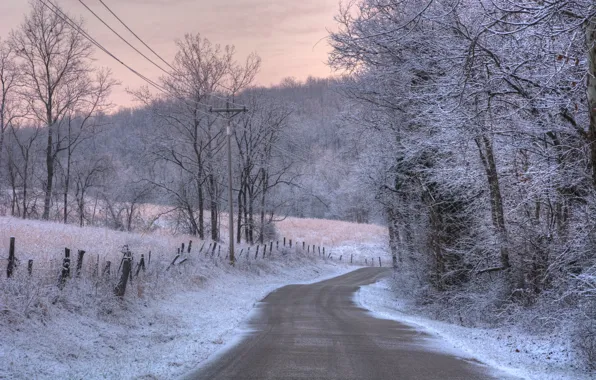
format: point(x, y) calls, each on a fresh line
point(290, 243)
point(277, 245)
point(96, 267)
point(352, 258)
point(264, 250)
point(120, 289)
point(257, 254)
point(149, 259)
point(11, 258)
point(189, 246)
point(131, 266)
point(284, 241)
point(213, 250)
point(65, 268)
point(303, 245)
point(380, 261)
point(141, 265)
point(308, 248)
point(80, 262)
point(172, 263)
point(270, 248)
point(182, 248)
point(30, 267)
point(248, 254)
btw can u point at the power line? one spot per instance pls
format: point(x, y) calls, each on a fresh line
point(122, 38)
point(134, 34)
point(56, 10)
point(146, 45)
point(132, 46)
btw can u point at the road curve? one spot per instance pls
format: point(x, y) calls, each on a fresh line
point(317, 332)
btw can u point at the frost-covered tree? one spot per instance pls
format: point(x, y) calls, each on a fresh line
point(58, 80)
point(188, 137)
point(479, 120)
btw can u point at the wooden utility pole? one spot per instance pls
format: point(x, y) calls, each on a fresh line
point(230, 113)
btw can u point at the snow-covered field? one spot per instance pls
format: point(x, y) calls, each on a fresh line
point(150, 339)
point(169, 321)
point(513, 352)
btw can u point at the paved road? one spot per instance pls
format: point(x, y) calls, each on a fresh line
point(316, 332)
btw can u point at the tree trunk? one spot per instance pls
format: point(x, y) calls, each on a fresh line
point(485, 149)
point(194, 230)
point(265, 185)
point(251, 218)
point(213, 208)
point(49, 175)
point(67, 181)
point(393, 236)
point(245, 203)
point(239, 217)
point(25, 184)
point(591, 91)
point(201, 196)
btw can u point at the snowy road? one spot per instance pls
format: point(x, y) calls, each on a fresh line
point(317, 332)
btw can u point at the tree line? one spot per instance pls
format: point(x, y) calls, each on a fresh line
point(481, 123)
point(67, 154)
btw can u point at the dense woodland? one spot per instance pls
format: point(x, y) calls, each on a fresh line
point(480, 118)
point(467, 126)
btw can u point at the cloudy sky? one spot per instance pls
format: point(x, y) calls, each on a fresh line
point(287, 34)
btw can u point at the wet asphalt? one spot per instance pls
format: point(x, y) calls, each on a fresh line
point(317, 332)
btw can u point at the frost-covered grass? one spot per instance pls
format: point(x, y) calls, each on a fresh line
point(510, 349)
point(168, 322)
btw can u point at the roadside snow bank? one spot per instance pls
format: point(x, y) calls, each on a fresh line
point(512, 352)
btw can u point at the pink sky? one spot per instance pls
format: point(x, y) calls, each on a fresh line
point(287, 34)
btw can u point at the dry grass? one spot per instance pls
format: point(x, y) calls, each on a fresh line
point(324, 232)
point(330, 232)
point(44, 242)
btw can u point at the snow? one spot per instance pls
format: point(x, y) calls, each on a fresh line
point(161, 338)
point(169, 322)
point(512, 352)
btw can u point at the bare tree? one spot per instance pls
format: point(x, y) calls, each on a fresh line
point(258, 133)
point(91, 173)
point(58, 79)
point(9, 80)
point(21, 162)
point(189, 138)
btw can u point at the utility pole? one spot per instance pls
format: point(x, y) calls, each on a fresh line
point(230, 113)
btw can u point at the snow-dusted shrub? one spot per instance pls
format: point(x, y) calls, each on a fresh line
point(585, 341)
